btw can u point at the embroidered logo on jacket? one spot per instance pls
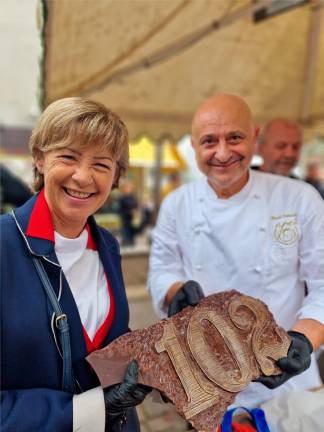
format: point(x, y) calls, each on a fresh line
point(285, 231)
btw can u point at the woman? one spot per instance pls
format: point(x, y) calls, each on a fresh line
point(79, 149)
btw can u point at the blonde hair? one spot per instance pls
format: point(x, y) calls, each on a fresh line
point(83, 122)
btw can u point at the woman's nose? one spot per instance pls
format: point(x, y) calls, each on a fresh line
point(82, 175)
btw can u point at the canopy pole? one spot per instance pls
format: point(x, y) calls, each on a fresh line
point(312, 50)
point(157, 176)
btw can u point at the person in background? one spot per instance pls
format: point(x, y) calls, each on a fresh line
point(52, 242)
point(127, 205)
point(280, 147)
point(13, 191)
point(237, 228)
point(312, 176)
point(173, 182)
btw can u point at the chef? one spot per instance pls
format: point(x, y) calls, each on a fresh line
point(258, 233)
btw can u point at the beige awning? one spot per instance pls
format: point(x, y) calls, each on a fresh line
point(153, 61)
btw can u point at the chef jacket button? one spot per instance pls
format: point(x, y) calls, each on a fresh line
point(262, 228)
point(198, 267)
point(258, 269)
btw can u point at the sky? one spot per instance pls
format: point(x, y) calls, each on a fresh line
point(20, 49)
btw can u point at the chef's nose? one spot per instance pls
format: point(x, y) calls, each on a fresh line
point(223, 152)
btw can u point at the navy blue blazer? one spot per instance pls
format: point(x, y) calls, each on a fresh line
point(31, 366)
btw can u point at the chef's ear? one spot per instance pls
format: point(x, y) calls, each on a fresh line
point(256, 133)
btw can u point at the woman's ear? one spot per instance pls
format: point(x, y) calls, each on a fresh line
point(39, 160)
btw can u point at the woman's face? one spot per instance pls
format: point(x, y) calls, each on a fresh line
point(77, 182)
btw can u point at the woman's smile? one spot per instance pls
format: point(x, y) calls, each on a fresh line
point(77, 194)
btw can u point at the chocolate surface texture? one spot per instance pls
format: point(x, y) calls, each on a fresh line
point(202, 357)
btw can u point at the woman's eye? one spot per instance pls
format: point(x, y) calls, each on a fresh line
point(67, 157)
point(102, 166)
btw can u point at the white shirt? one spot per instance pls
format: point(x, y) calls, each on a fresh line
point(86, 277)
point(266, 241)
point(85, 274)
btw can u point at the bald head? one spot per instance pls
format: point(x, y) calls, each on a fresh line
point(224, 138)
point(281, 146)
point(277, 123)
point(222, 107)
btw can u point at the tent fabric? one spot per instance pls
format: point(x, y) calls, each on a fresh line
point(114, 52)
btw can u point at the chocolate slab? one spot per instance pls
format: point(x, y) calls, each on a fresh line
point(201, 357)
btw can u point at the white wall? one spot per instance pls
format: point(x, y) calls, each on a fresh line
point(20, 50)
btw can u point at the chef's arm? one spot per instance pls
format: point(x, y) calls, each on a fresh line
point(312, 329)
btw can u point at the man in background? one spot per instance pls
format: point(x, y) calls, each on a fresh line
point(128, 204)
point(280, 147)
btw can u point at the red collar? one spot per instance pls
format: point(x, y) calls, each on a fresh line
point(41, 225)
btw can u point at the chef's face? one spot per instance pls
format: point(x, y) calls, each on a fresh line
point(224, 140)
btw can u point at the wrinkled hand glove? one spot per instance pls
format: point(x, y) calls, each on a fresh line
point(128, 394)
point(297, 361)
point(188, 295)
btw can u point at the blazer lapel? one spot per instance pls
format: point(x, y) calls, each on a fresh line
point(111, 259)
point(44, 249)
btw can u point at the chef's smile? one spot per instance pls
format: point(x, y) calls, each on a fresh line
point(224, 165)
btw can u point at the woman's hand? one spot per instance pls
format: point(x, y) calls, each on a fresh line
point(119, 397)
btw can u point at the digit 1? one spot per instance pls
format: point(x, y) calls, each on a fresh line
point(198, 398)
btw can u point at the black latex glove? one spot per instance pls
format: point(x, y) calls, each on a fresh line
point(188, 295)
point(297, 361)
point(128, 394)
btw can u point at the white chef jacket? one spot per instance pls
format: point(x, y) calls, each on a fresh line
point(266, 241)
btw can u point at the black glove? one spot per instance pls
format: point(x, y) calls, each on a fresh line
point(128, 394)
point(297, 361)
point(188, 295)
